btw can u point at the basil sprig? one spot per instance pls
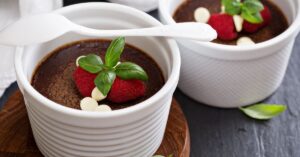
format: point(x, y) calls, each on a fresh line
point(263, 111)
point(106, 73)
point(248, 9)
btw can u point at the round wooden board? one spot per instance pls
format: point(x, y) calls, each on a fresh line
point(16, 139)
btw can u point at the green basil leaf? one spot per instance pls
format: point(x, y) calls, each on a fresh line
point(251, 17)
point(253, 6)
point(128, 70)
point(232, 7)
point(263, 111)
point(91, 63)
point(114, 51)
point(104, 81)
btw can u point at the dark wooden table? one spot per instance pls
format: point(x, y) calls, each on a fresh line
point(228, 133)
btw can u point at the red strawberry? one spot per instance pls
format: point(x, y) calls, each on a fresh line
point(126, 90)
point(251, 28)
point(84, 81)
point(223, 24)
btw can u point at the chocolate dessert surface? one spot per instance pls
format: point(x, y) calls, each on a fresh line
point(278, 24)
point(53, 77)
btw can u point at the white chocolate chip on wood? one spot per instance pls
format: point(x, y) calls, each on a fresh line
point(77, 60)
point(242, 41)
point(238, 22)
point(103, 108)
point(97, 95)
point(88, 104)
point(201, 15)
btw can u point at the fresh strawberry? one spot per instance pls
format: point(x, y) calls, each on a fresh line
point(126, 90)
point(224, 25)
point(251, 27)
point(84, 81)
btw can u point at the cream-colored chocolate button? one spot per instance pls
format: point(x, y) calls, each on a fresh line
point(77, 60)
point(88, 104)
point(242, 41)
point(238, 22)
point(103, 108)
point(97, 95)
point(222, 9)
point(201, 15)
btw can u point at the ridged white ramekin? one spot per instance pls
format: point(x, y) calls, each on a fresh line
point(231, 76)
point(133, 131)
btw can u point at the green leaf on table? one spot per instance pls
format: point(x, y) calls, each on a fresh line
point(128, 70)
point(104, 81)
point(91, 63)
point(114, 51)
point(263, 111)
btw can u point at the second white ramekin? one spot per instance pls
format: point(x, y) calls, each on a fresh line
point(231, 76)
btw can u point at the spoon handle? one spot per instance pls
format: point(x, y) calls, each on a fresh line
point(189, 30)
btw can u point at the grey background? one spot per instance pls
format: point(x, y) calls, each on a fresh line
point(228, 133)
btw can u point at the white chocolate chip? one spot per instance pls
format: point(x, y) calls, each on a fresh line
point(242, 41)
point(201, 15)
point(88, 104)
point(103, 108)
point(97, 95)
point(77, 60)
point(222, 9)
point(238, 22)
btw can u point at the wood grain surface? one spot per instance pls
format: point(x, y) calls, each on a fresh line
point(16, 139)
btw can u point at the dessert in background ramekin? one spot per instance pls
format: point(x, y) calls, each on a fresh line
point(273, 21)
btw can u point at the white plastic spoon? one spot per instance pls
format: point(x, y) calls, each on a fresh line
point(45, 27)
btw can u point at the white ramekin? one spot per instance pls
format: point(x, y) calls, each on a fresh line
point(231, 76)
point(133, 131)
